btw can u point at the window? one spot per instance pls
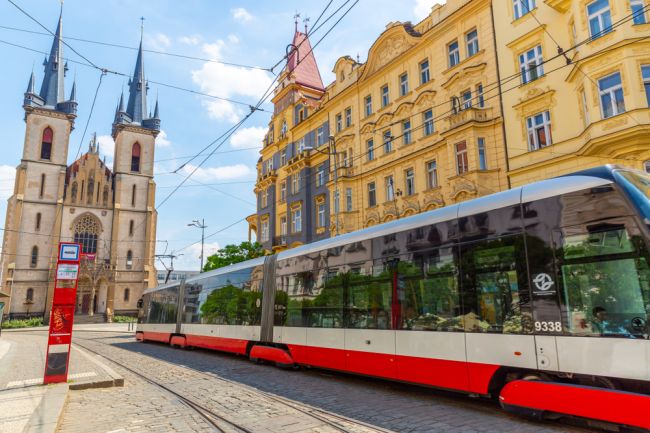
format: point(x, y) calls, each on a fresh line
point(135, 157)
point(91, 190)
point(428, 122)
point(600, 18)
point(368, 105)
point(339, 122)
point(296, 221)
point(301, 149)
point(646, 166)
point(320, 135)
point(41, 192)
point(73, 192)
point(348, 200)
point(424, 72)
point(403, 84)
point(265, 199)
point(522, 7)
point(38, 221)
point(86, 231)
point(283, 157)
point(348, 117)
point(265, 231)
point(295, 184)
point(482, 156)
point(453, 54)
point(105, 196)
point(645, 73)
point(472, 43)
point(467, 99)
point(283, 226)
point(372, 195)
point(531, 64)
point(46, 144)
point(539, 130)
point(320, 175)
point(283, 191)
point(127, 295)
point(385, 97)
point(133, 195)
point(410, 181)
point(479, 96)
point(638, 9)
point(390, 188)
point(283, 129)
point(462, 164)
point(129, 259)
point(335, 200)
point(321, 215)
point(34, 258)
point(585, 108)
point(388, 142)
point(29, 296)
point(611, 95)
point(406, 131)
point(432, 174)
point(131, 228)
point(371, 149)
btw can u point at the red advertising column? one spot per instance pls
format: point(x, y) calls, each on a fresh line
point(62, 316)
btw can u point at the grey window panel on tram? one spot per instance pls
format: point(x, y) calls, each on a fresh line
point(161, 305)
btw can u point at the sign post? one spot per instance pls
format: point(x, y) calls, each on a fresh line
point(62, 316)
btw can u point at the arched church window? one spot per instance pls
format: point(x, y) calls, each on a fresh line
point(29, 296)
point(46, 144)
point(135, 157)
point(91, 191)
point(129, 260)
point(105, 196)
point(73, 192)
point(86, 232)
point(127, 294)
point(34, 259)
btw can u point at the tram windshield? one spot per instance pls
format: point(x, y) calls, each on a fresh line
point(637, 186)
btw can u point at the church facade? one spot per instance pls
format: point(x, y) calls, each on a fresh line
point(109, 211)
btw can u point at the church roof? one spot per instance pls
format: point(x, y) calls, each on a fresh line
point(302, 64)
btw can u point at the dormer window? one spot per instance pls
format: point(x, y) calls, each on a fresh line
point(46, 144)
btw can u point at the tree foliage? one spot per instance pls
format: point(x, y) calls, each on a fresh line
point(231, 254)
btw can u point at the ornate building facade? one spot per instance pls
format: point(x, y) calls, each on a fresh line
point(110, 212)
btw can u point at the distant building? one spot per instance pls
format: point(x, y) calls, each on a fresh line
point(111, 213)
point(174, 276)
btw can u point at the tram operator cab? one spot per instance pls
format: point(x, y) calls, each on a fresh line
point(538, 296)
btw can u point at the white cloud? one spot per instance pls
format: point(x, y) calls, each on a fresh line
point(422, 8)
point(212, 174)
point(234, 39)
point(162, 140)
point(228, 82)
point(241, 15)
point(158, 41)
point(190, 260)
point(248, 137)
point(190, 40)
point(7, 177)
point(107, 148)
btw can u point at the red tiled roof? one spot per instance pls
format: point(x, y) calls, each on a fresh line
point(302, 63)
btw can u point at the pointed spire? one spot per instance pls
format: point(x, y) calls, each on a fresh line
point(73, 92)
point(156, 113)
point(120, 106)
point(52, 90)
point(137, 105)
point(30, 85)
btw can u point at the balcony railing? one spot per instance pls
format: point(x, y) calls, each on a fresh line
point(471, 114)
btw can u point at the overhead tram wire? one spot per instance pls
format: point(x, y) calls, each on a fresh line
point(90, 115)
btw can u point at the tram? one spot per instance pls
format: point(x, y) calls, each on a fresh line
point(538, 296)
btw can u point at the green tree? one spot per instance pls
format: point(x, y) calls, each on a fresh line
point(231, 254)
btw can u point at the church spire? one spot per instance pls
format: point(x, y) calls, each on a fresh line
point(137, 105)
point(301, 64)
point(73, 92)
point(52, 91)
point(30, 85)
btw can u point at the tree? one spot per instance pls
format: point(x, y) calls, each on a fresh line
point(231, 254)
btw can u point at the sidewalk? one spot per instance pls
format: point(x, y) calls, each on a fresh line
point(25, 404)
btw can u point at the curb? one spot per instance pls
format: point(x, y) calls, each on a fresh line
point(114, 378)
point(46, 417)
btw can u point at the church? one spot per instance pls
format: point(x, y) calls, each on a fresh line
point(109, 211)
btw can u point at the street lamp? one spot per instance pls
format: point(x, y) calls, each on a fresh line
point(201, 225)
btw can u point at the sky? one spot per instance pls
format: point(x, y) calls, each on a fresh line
point(245, 32)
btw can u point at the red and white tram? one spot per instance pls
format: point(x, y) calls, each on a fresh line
point(539, 295)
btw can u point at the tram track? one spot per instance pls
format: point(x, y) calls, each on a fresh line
point(214, 419)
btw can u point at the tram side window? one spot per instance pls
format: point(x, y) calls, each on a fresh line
point(428, 292)
point(606, 282)
point(229, 300)
point(369, 294)
point(162, 306)
point(493, 274)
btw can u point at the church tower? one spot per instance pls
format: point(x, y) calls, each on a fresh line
point(134, 216)
point(34, 211)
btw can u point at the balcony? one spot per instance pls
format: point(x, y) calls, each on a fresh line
point(559, 5)
point(268, 175)
point(468, 115)
point(280, 241)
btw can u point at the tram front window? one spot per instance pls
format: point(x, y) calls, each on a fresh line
point(606, 284)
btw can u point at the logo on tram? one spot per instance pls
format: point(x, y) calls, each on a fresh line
point(543, 282)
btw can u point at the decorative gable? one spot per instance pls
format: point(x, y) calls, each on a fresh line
point(397, 39)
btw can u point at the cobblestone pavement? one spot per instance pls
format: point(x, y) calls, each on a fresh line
point(227, 385)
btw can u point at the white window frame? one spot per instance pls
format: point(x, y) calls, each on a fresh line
point(283, 191)
point(645, 77)
point(368, 105)
point(639, 15)
point(409, 181)
point(339, 122)
point(407, 136)
point(301, 145)
point(348, 117)
point(321, 215)
point(429, 127)
point(296, 220)
point(522, 7)
point(462, 159)
point(388, 141)
point(265, 231)
point(320, 135)
point(403, 84)
point(372, 192)
point(432, 174)
point(389, 184)
point(283, 226)
point(599, 16)
point(370, 145)
point(466, 98)
point(348, 200)
point(611, 92)
point(532, 126)
point(479, 95)
point(529, 61)
point(283, 157)
point(425, 74)
point(453, 53)
point(482, 153)
point(471, 40)
point(385, 95)
point(320, 175)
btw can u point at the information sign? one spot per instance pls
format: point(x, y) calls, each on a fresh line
point(66, 271)
point(69, 252)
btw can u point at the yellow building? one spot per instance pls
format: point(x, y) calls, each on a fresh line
point(584, 108)
point(409, 130)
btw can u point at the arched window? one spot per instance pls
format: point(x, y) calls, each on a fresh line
point(34, 259)
point(86, 232)
point(73, 192)
point(91, 191)
point(38, 221)
point(29, 296)
point(127, 294)
point(42, 191)
point(131, 228)
point(129, 260)
point(105, 196)
point(135, 157)
point(133, 195)
point(46, 144)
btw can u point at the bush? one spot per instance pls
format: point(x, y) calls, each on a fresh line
point(22, 323)
point(123, 319)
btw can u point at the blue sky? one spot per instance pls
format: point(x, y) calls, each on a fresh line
point(244, 31)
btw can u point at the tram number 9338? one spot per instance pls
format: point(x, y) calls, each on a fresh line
point(548, 326)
